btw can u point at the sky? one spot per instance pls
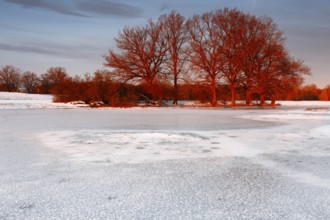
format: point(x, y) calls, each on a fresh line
point(75, 34)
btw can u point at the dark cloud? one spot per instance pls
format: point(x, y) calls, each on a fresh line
point(73, 52)
point(29, 49)
point(103, 7)
point(55, 6)
point(82, 8)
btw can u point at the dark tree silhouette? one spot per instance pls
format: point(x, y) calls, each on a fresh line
point(30, 81)
point(45, 83)
point(10, 78)
point(57, 75)
point(55, 78)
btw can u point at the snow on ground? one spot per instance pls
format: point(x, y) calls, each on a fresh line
point(143, 146)
point(12, 100)
point(24, 96)
point(304, 103)
point(165, 163)
point(136, 146)
point(292, 115)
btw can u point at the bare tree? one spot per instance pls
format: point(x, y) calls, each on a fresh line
point(286, 76)
point(57, 75)
point(242, 49)
point(205, 50)
point(325, 94)
point(30, 81)
point(232, 29)
point(176, 37)
point(142, 51)
point(10, 78)
point(103, 84)
point(270, 69)
point(264, 52)
point(45, 83)
point(54, 79)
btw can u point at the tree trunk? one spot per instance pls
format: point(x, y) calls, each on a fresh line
point(214, 92)
point(248, 97)
point(175, 95)
point(151, 90)
point(262, 99)
point(233, 92)
point(248, 93)
point(273, 101)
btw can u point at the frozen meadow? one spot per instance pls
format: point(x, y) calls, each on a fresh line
point(58, 161)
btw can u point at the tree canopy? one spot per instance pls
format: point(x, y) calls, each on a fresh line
point(225, 47)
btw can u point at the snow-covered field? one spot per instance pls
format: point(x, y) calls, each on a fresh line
point(164, 163)
point(9, 100)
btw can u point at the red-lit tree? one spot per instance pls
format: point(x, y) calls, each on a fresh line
point(231, 32)
point(205, 49)
point(175, 32)
point(287, 76)
point(325, 94)
point(264, 51)
point(141, 54)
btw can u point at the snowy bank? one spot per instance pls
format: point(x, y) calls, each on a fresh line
point(304, 103)
point(13, 100)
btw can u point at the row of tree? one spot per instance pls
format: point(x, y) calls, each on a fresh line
point(222, 48)
point(99, 87)
point(211, 56)
point(310, 92)
point(13, 79)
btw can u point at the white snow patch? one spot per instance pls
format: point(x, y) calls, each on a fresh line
point(304, 103)
point(143, 146)
point(147, 146)
point(12, 100)
point(285, 115)
point(321, 132)
point(24, 96)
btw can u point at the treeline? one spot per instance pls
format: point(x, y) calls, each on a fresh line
point(216, 57)
point(99, 88)
point(309, 93)
point(225, 49)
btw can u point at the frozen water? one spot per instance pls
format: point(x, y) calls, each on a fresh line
point(164, 163)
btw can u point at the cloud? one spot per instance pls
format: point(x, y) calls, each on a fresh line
point(175, 6)
point(102, 7)
point(62, 51)
point(48, 5)
point(29, 49)
point(82, 8)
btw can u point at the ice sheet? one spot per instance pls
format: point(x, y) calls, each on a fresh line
point(164, 163)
